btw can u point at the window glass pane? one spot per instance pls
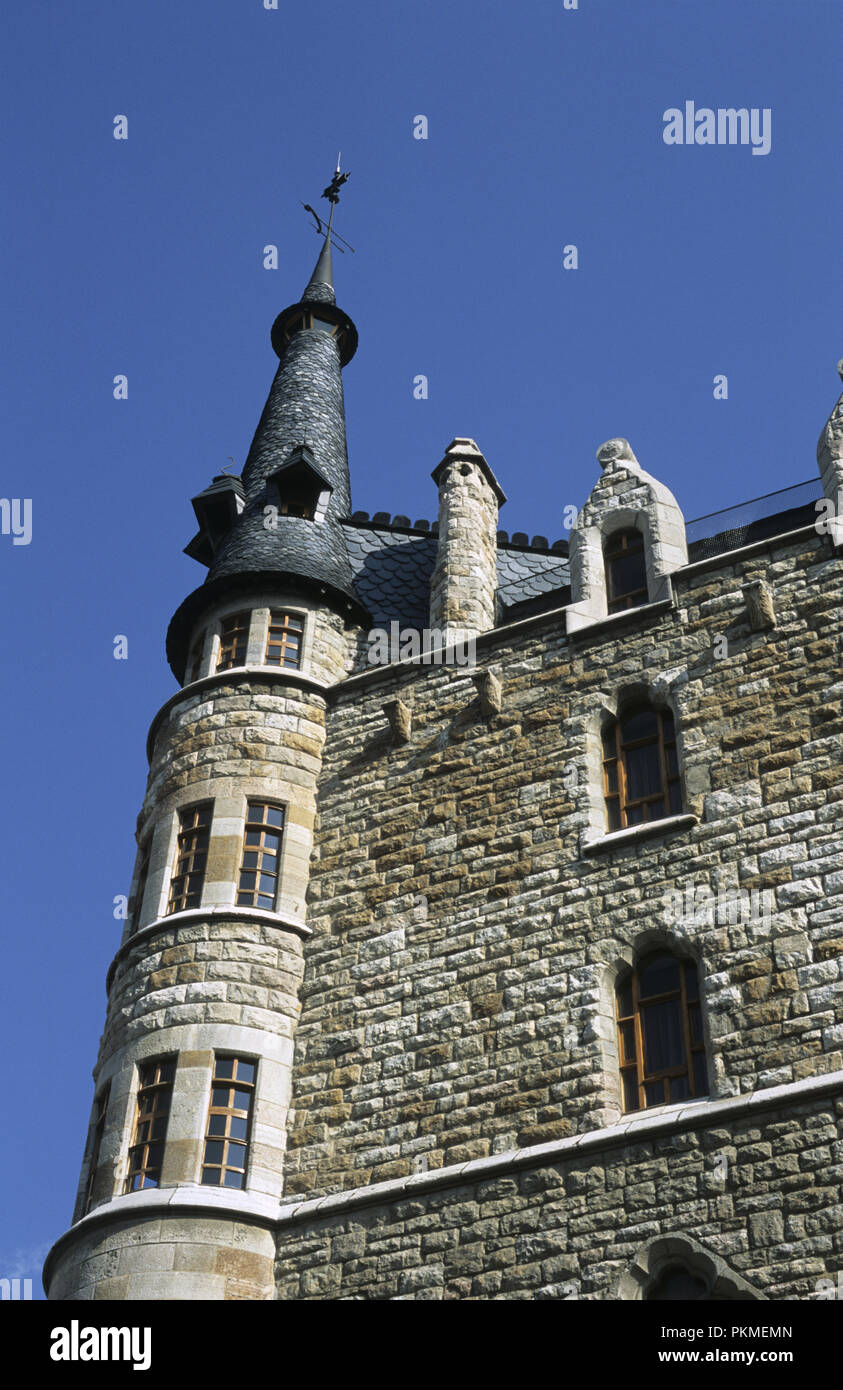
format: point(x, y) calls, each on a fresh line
point(654, 1093)
point(270, 840)
point(247, 880)
point(658, 975)
point(239, 1126)
point(627, 1042)
point(149, 1180)
point(627, 574)
point(242, 1100)
point(679, 1088)
point(664, 1045)
point(643, 773)
point(246, 1071)
point(655, 810)
point(692, 989)
point(250, 859)
point(614, 814)
point(275, 815)
point(167, 1072)
point(253, 837)
point(609, 742)
point(266, 901)
point(640, 724)
point(625, 999)
point(267, 883)
point(612, 777)
point(216, 1124)
point(244, 899)
point(634, 815)
point(234, 1179)
point(224, 1067)
point(159, 1128)
point(630, 1090)
point(214, 1150)
point(672, 761)
point(219, 1097)
point(211, 1177)
point(700, 1074)
point(675, 798)
point(236, 1156)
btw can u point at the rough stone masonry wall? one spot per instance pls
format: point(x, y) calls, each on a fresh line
point(762, 1195)
point(457, 991)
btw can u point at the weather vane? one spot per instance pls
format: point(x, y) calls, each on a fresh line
point(332, 193)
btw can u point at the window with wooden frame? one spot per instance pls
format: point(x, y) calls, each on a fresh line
point(301, 506)
point(626, 570)
point(660, 1033)
point(140, 889)
point(284, 639)
point(640, 767)
point(100, 1108)
point(194, 663)
point(234, 640)
point(258, 885)
point(229, 1122)
point(155, 1093)
point(191, 856)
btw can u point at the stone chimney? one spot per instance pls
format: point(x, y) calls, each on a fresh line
point(464, 581)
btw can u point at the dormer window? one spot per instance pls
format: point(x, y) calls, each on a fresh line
point(626, 571)
point(298, 488)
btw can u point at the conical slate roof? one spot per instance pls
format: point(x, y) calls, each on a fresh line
point(305, 407)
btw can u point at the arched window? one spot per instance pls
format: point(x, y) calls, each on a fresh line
point(626, 571)
point(640, 767)
point(660, 1034)
point(677, 1284)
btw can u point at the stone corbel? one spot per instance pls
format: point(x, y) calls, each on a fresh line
point(490, 691)
point(758, 597)
point(400, 720)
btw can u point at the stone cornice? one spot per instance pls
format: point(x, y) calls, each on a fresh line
point(669, 1120)
point(281, 921)
point(236, 675)
point(266, 1211)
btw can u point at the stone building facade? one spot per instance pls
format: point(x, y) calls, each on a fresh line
point(443, 1095)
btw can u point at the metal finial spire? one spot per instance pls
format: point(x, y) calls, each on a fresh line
point(332, 193)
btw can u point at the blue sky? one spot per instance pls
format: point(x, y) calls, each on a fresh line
point(144, 257)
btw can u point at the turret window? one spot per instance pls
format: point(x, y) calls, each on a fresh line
point(143, 874)
point(284, 639)
point(660, 1034)
point(234, 641)
point(100, 1108)
point(155, 1093)
point(194, 664)
point(229, 1122)
point(626, 571)
point(191, 856)
point(640, 768)
point(258, 886)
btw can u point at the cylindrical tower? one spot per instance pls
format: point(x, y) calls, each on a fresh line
point(183, 1166)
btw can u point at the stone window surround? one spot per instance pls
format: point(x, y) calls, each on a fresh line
point(228, 824)
point(661, 1252)
point(615, 958)
point(193, 1046)
point(586, 762)
point(259, 610)
point(644, 505)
